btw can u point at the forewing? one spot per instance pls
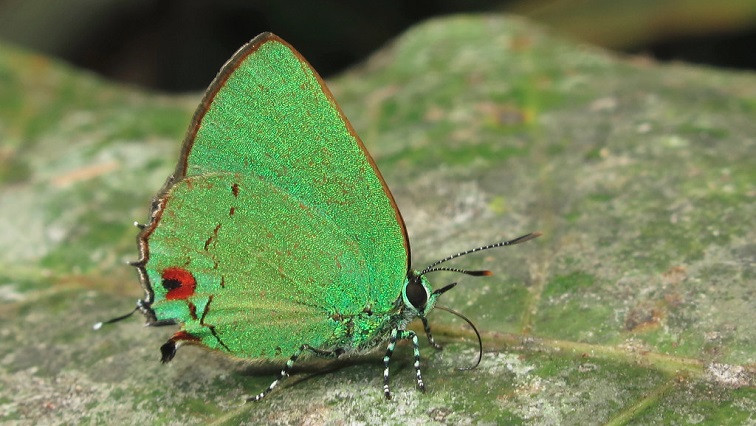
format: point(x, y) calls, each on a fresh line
point(269, 115)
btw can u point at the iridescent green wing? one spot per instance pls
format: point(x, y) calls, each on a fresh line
point(245, 252)
point(275, 211)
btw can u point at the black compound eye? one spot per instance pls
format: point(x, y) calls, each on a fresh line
point(416, 294)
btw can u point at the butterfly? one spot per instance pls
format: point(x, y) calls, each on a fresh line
point(276, 235)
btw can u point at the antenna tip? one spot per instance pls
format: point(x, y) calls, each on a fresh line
point(97, 326)
point(524, 238)
point(482, 273)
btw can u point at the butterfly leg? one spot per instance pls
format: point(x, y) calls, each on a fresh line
point(289, 364)
point(407, 334)
point(426, 326)
point(398, 335)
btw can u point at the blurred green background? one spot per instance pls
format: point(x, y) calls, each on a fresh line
point(176, 45)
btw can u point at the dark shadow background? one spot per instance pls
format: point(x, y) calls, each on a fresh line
point(179, 45)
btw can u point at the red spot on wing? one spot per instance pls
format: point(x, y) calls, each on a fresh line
point(179, 282)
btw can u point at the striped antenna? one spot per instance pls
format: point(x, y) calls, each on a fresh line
point(517, 240)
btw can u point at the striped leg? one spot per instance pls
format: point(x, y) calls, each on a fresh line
point(408, 334)
point(290, 363)
point(397, 335)
point(426, 326)
point(386, 358)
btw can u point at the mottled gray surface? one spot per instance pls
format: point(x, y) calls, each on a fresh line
point(637, 304)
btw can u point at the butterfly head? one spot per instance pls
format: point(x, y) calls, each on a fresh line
point(418, 295)
point(419, 298)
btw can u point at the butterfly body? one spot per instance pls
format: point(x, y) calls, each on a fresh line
point(276, 235)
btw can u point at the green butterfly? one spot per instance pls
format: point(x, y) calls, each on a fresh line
point(277, 234)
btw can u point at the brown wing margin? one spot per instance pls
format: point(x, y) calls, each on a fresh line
point(220, 79)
